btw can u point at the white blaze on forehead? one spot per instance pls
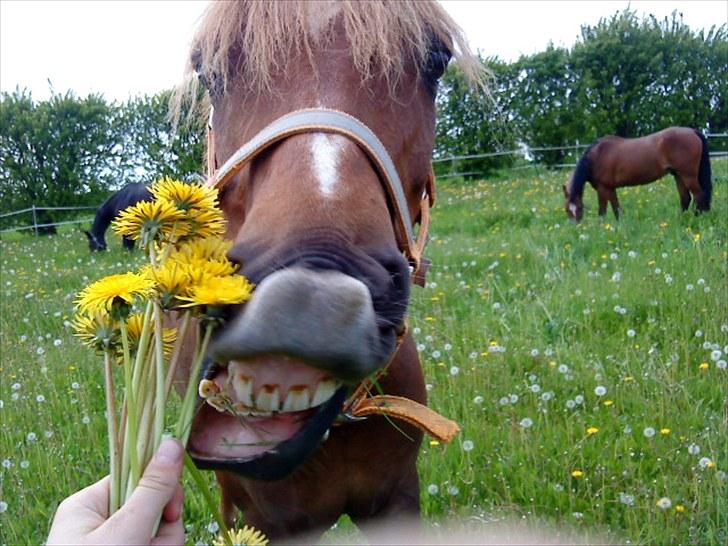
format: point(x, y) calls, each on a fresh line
point(325, 153)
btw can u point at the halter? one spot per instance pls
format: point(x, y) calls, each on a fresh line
point(336, 122)
point(362, 403)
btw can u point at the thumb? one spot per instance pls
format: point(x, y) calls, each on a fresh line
point(156, 488)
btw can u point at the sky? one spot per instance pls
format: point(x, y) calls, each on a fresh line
point(126, 48)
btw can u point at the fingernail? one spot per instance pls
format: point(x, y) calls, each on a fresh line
point(170, 451)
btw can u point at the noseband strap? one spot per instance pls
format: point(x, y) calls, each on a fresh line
point(336, 122)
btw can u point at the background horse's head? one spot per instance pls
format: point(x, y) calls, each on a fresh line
point(310, 219)
point(95, 244)
point(574, 207)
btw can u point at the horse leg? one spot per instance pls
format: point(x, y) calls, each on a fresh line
point(128, 243)
point(603, 196)
point(693, 185)
point(684, 193)
point(615, 202)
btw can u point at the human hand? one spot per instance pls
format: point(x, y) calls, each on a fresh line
point(83, 518)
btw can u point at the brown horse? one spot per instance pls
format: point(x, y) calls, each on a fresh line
point(324, 124)
point(613, 162)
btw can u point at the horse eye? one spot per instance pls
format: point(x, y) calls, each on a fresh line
point(437, 63)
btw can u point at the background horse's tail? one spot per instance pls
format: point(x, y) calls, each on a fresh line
point(580, 176)
point(705, 174)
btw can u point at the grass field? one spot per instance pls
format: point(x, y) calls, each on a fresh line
point(586, 364)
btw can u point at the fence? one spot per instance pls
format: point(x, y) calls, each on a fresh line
point(36, 226)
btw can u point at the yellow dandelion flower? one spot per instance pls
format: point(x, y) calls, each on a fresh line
point(665, 431)
point(134, 325)
point(704, 366)
point(679, 508)
point(149, 221)
point(217, 291)
point(208, 248)
point(592, 430)
point(185, 196)
point(434, 443)
point(206, 223)
point(202, 270)
point(114, 291)
point(98, 331)
point(608, 402)
point(247, 536)
point(171, 280)
point(577, 473)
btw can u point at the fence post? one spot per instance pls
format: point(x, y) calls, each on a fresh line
point(35, 221)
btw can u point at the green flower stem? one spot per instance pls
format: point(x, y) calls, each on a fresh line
point(196, 476)
point(114, 498)
point(124, 435)
point(160, 397)
point(182, 431)
point(135, 470)
point(144, 446)
point(181, 334)
point(141, 360)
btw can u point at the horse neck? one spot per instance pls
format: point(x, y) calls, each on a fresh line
point(579, 178)
point(100, 225)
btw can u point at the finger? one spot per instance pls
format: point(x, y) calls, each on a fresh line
point(173, 510)
point(170, 534)
point(81, 513)
point(156, 488)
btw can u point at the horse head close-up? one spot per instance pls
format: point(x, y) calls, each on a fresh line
point(321, 130)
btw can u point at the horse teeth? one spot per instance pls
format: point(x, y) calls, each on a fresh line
point(243, 388)
point(241, 409)
point(268, 398)
point(326, 435)
point(298, 399)
point(324, 391)
point(207, 388)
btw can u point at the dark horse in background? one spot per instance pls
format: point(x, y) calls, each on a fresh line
point(127, 196)
point(613, 162)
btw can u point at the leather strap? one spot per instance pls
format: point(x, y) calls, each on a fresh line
point(410, 412)
point(333, 121)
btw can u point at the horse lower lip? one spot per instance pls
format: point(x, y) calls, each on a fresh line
point(272, 462)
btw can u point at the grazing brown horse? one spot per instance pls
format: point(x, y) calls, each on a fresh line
point(324, 123)
point(613, 162)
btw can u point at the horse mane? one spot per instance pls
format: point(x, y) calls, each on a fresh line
point(580, 176)
point(385, 37)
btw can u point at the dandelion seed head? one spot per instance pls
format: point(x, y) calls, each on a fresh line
point(648, 432)
point(526, 422)
point(468, 445)
point(664, 503)
point(600, 390)
point(433, 489)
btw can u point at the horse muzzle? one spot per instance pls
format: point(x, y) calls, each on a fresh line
point(280, 371)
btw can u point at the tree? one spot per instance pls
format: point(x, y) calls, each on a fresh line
point(56, 152)
point(471, 121)
point(151, 145)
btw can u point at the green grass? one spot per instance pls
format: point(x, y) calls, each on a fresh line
point(520, 305)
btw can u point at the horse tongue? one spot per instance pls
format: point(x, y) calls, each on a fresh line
point(218, 435)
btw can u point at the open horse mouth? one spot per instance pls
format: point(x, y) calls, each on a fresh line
point(282, 370)
point(262, 417)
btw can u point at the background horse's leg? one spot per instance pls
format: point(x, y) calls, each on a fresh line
point(603, 196)
point(612, 194)
point(693, 185)
point(684, 193)
point(128, 243)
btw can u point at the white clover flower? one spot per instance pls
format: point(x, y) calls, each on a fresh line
point(468, 445)
point(526, 422)
point(600, 390)
point(433, 489)
point(649, 432)
point(693, 449)
point(478, 400)
point(664, 503)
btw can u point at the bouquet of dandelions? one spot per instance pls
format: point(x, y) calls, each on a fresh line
point(122, 316)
